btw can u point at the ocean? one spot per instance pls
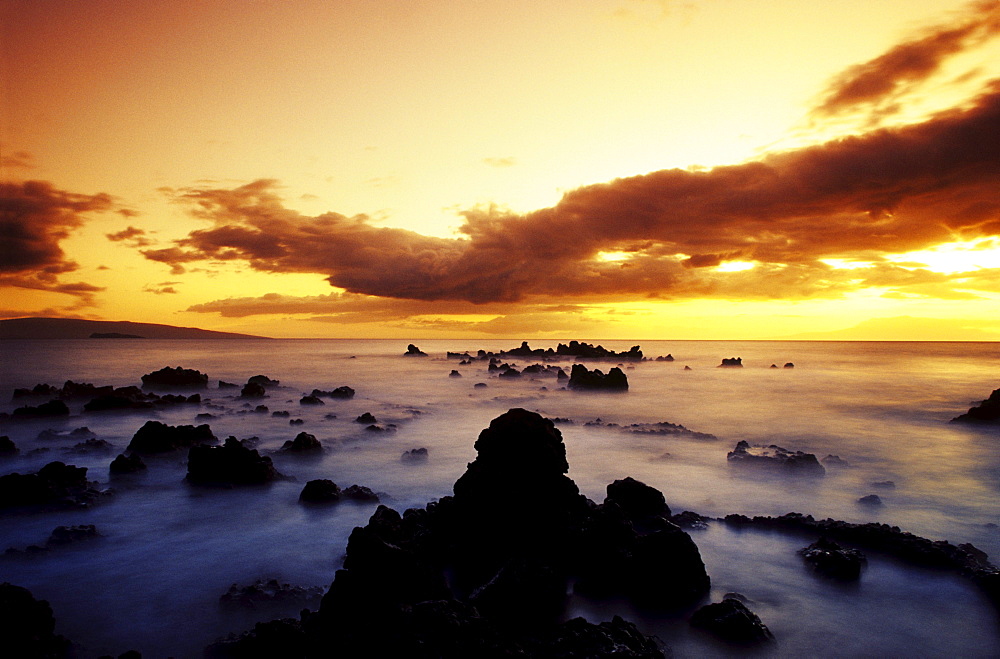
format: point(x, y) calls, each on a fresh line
point(168, 550)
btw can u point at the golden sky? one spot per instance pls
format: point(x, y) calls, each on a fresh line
point(717, 169)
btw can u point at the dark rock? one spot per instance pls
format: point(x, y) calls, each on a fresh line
point(730, 620)
point(280, 414)
point(126, 464)
point(228, 385)
point(690, 520)
point(667, 428)
point(367, 417)
point(581, 379)
point(637, 499)
point(829, 559)
point(666, 358)
point(7, 447)
point(72, 389)
point(270, 594)
point(339, 392)
point(263, 381)
point(884, 485)
point(731, 362)
point(157, 437)
point(414, 455)
point(277, 638)
point(303, 443)
point(687, 368)
point(67, 535)
point(834, 461)
point(454, 374)
point(509, 373)
point(296, 422)
point(479, 385)
point(775, 457)
point(81, 433)
point(988, 411)
point(321, 490)
point(38, 390)
point(51, 408)
point(253, 390)
point(872, 500)
point(114, 402)
point(261, 409)
point(774, 366)
point(360, 493)
point(92, 445)
point(229, 464)
point(414, 351)
point(175, 377)
point(27, 626)
point(56, 485)
point(789, 365)
point(310, 400)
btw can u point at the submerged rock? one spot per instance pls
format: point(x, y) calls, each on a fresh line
point(303, 443)
point(414, 351)
point(229, 464)
point(582, 379)
point(775, 457)
point(730, 620)
point(321, 490)
point(157, 437)
point(988, 411)
point(175, 377)
point(56, 485)
point(831, 560)
point(414, 455)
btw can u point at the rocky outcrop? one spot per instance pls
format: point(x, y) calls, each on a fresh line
point(829, 559)
point(56, 485)
point(730, 620)
point(311, 400)
point(340, 392)
point(176, 377)
point(263, 595)
point(229, 464)
point(414, 351)
point(303, 443)
point(27, 626)
point(7, 447)
point(360, 493)
point(414, 456)
point(50, 409)
point(581, 379)
point(321, 490)
point(731, 362)
point(157, 437)
point(988, 411)
point(263, 381)
point(253, 390)
point(126, 464)
point(775, 457)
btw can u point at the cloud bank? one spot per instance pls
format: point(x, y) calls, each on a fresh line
point(856, 199)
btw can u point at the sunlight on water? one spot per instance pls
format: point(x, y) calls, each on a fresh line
point(170, 549)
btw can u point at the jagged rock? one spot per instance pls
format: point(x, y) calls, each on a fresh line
point(126, 464)
point(414, 351)
point(157, 437)
point(27, 626)
point(321, 490)
point(831, 560)
point(56, 485)
point(263, 381)
point(730, 620)
point(311, 400)
point(72, 389)
point(731, 362)
point(339, 392)
point(871, 500)
point(367, 417)
point(253, 390)
point(229, 464)
point(175, 377)
point(665, 358)
point(988, 411)
point(303, 443)
point(51, 408)
point(269, 594)
point(7, 447)
point(414, 455)
point(359, 493)
point(775, 457)
point(38, 390)
point(113, 402)
point(582, 379)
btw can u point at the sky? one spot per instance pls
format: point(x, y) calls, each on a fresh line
point(590, 169)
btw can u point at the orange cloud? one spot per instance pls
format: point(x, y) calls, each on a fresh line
point(860, 198)
point(35, 217)
point(878, 83)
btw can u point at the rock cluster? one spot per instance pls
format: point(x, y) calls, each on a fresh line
point(157, 437)
point(56, 485)
point(829, 559)
point(582, 379)
point(775, 457)
point(229, 464)
point(175, 377)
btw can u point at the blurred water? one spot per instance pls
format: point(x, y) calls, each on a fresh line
point(170, 550)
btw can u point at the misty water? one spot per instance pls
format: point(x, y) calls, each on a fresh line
point(168, 550)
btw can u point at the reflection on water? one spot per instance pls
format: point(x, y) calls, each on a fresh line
point(170, 549)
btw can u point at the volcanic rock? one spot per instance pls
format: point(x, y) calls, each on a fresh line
point(175, 377)
point(775, 457)
point(229, 464)
point(730, 620)
point(157, 437)
point(831, 560)
point(321, 490)
point(988, 411)
point(582, 379)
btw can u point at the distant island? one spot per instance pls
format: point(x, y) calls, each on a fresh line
point(74, 328)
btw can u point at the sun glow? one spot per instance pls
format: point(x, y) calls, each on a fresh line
point(736, 266)
point(950, 258)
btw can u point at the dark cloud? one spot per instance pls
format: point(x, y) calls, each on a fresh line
point(860, 198)
point(131, 235)
point(34, 218)
point(878, 83)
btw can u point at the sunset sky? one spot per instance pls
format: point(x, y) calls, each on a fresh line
point(593, 169)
